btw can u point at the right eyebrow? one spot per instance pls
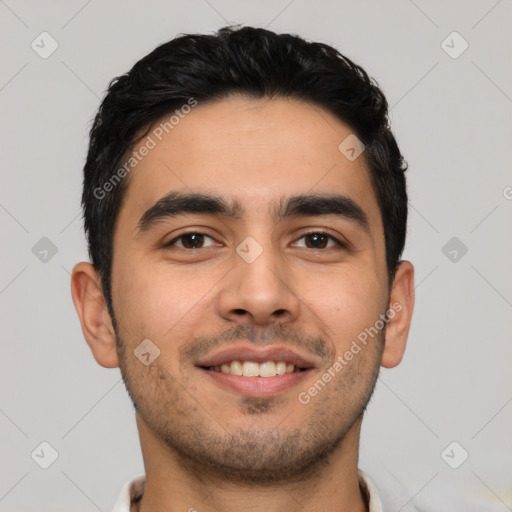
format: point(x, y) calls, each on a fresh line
point(177, 203)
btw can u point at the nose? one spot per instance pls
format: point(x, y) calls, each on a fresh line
point(260, 291)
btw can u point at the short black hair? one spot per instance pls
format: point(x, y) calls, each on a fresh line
point(253, 62)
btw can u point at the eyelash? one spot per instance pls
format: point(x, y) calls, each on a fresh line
point(340, 244)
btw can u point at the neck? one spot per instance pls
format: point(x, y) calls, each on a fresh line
point(175, 484)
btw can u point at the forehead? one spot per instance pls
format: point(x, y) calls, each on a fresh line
point(255, 150)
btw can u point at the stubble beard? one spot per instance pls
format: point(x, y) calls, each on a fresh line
point(212, 450)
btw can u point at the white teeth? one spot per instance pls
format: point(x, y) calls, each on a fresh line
point(268, 369)
point(280, 368)
point(250, 369)
point(253, 369)
point(236, 368)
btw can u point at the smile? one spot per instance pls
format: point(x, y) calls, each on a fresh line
point(254, 369)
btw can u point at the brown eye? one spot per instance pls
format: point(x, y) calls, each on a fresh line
point(192, 240)
point(319, 240)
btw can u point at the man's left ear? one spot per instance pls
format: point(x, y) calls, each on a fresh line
point(401, 304)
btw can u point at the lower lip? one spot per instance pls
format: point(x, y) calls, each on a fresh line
point(257, 386)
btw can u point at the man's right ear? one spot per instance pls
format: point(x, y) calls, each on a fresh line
point(93, 313)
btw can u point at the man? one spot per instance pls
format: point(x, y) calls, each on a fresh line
point(245, 207)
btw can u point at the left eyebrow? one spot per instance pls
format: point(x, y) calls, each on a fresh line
point(303, 205)
point(316, 205)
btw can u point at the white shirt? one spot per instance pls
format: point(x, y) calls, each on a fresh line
point(134, 488)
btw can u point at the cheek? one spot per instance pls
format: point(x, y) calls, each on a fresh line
point(346, 301)
point(161, 299)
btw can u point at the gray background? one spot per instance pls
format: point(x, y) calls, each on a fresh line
point(452, 118)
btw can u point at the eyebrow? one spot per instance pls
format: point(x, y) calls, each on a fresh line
point(177, 203)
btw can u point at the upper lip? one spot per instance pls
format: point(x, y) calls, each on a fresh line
point(246, 353)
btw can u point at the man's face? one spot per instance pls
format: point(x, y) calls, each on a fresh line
point(255, 281)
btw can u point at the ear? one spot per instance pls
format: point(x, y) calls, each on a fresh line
point(401, 303)
point(92, 310)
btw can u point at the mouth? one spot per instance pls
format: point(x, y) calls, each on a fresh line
point(253, 369)
point(256, 373)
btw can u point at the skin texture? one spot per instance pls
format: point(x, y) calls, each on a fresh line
point(212, 448)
